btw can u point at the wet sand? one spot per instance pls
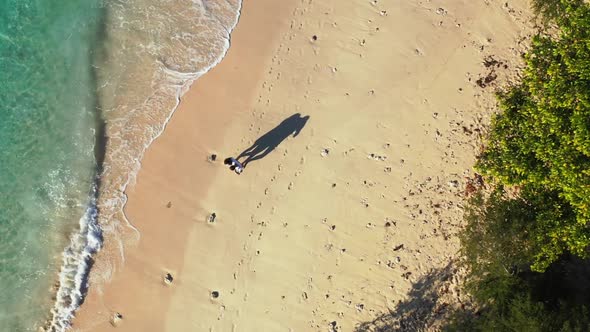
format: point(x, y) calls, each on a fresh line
point(339, 224)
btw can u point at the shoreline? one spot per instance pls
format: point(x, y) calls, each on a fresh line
point(335, 225)
point(94, 304)
point(71, 285)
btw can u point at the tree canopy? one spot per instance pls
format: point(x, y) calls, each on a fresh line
point(540, 142)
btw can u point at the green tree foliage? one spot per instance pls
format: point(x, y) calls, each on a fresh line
point(541, 140)
point(549, 10)
point(497, 246)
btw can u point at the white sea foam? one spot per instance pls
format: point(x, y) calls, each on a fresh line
point(123, 161)
point(77, 260)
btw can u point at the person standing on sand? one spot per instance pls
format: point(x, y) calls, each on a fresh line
point(235, 165)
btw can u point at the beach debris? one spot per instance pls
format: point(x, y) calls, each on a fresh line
point(383, 13)
point(401, 246)
point(314, 37)
point(117, 318)
point(490, 61)
point(333, 185)
point(168, 279)
point(325, 152)
point(169, 205)
point(212, 158)
point(377, 157)
point(389, 222)
point(211, 218)
point(441, 11)
point(214, 294)
point(482, 82)
point(387, 169)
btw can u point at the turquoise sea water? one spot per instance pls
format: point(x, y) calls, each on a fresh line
point(48, 122)
point(85, 87)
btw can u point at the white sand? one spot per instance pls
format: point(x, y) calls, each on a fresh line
point(342, 222)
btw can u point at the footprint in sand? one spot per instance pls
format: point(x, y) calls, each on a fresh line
point(168, 279)
point(116, 320)
point(211, 218)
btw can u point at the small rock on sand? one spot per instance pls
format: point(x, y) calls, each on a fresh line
point(168, 279)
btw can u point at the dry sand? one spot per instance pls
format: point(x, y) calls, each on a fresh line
point(349, 224)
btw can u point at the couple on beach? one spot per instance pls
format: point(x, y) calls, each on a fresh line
point(234, 165)
point(266, 143)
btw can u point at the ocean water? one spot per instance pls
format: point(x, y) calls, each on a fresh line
point(85, 87)
point(47, 139)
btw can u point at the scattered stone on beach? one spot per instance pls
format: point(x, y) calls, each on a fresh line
point(211, 218)
point(211, 158)
point(325, 152)
point(117, 318)
point(214, 294)
point(401, 246)
point(169, 205)
point(168, 279)
point(314, 37)
point(333, 185)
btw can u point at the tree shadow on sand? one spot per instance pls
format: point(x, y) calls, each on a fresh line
point(426, 305)
point(269, 141)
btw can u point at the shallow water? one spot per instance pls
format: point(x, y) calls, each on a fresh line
point(47, 164)
point(66, 66)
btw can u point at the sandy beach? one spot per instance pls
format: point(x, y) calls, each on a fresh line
point(371, 114)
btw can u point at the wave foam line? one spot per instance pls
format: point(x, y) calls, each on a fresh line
point(77, 257)
point(77, 260)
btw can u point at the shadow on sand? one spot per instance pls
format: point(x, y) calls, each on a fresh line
point(269, 141)
point(424, 307)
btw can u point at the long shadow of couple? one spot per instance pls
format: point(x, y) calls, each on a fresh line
point(269, 141)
